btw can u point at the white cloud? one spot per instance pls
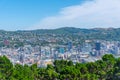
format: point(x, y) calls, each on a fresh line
point(92, 14)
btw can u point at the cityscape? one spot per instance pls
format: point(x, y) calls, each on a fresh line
point(59, 39)
point(31, 47)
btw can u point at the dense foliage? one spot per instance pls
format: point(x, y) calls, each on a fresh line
point(106, 69)
point(60, 36)
point(104, 33)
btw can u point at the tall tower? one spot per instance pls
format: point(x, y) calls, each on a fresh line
point(79, 48)
point(69, 46)
point(40, 55)
point(51, 54)
point(61, 50)
point(21, 56)
point(97, 48)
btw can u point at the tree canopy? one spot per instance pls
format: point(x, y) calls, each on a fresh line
point(108, 68)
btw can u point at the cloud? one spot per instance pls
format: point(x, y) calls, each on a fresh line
point(91, 14)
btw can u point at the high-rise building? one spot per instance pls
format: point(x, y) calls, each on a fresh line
point(97, 46)
point(40, 53)
point(61, 50)
point(79, 48)
point(69, 46)
point(21, 58)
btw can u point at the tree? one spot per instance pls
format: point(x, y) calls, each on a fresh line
point(6, 67)
point(34, 70)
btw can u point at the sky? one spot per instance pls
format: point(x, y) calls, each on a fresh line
point(51, 14)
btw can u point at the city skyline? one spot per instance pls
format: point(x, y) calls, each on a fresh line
point(30, 15)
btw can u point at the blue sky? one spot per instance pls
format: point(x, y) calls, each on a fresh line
point(50, 14)
point(20, 14)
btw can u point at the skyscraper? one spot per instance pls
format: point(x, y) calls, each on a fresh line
point(61, 50)
point(69, 46)
point(97, 48)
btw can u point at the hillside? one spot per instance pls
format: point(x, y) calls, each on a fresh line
point(95, 33)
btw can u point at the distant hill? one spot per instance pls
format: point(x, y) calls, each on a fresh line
point(95, 33)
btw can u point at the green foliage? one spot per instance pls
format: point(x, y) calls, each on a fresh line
point(106, 69)
point(6, 67)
